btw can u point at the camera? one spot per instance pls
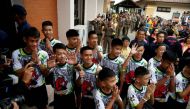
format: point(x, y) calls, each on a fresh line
point(8, 93)
point(7, 102)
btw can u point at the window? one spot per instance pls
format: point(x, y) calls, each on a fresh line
point(163, 9)
point(79, 12)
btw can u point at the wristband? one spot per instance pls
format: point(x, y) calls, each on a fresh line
point(144, 99)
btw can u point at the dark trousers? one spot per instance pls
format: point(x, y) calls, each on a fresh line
point(87, 103)
point(64, 101)
point(179, 105)
point(37, 97)
point(165, 105)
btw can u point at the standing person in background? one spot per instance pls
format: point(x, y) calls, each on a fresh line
point(19, 15)
point(126, 49)
point(109, 35)
point(98, 27)
point(48, 42)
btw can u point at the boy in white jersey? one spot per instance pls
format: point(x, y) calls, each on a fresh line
point(74, 43)
point(114, 61)
point(133, 61)
point(106, 96)
point(36, 94)
point(140, 92)
point(183, 87)
point(155, 61)
point(48, 42)
point(163, 77)
point(88, 82)
point(63, 77)
point(73, 46)
point(97, 49)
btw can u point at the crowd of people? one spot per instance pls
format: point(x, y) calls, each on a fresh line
point(150, 72)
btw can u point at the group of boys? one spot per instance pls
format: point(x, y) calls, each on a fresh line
point(84, 77)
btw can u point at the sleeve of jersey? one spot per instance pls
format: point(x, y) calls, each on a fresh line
point(98, 100)
point(133, 100)
point(179, 85)
point(16, 63)
point(153, 76)
point(150, 64)
point(43, 55)
point(100, 49)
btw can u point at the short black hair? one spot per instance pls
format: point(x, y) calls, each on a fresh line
point(141, 71)
point(105, 73)
point(72, 33)
point(47, 23)
point(31, 32)
point(18, 10)
point(169, 55)
point(125, 38)
point(162, 32)
point(116, 42)
point(90, 33)
point(140, 43)
point(160, 44)
point(170, 32)
point(142, 29)
point(58, 46)
point(84, 49)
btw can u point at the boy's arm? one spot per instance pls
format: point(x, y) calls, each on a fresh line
point(115, 97)
point(132, 52)
point(120, 102)
point(185, 92)
point(171, 72)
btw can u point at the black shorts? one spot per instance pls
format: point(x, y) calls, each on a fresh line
point(64, 101)
point(87, 103)
point(37, 97)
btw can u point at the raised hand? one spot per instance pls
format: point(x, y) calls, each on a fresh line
point(134, 48)
point(79, 44)
point(51, 62)
point(35, 57)
point(48, 44)
point(150, 90)
point(115, 92)
point(72, 58)
point(170, 70)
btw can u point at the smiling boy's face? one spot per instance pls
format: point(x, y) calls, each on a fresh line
point(31, 43)
point(61, 56)
point(110, 82)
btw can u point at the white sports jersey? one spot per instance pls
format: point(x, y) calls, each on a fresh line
point(152, 63)
point(63, 80)
point(113, 64)
point(101, 99)
point(95, 54)
point(21, 58)
point(134, 96)
point(52, 42)
point(89, 80)
point(162, 93)
point(181, 84)
point(133, 64)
